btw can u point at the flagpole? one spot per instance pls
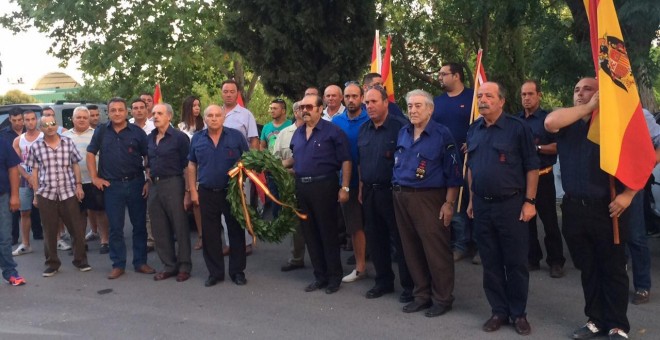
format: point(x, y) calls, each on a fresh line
point(474, 98)
point(615, 218)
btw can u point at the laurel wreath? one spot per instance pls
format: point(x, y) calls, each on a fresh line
point(286, 221)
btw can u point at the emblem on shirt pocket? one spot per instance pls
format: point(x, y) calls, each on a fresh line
point(502, 157)
point(421, 169)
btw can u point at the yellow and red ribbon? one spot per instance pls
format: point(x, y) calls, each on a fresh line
point(239, 170)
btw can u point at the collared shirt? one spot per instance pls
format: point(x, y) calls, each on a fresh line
point(579, 161)
point(148, 125)
point(270, 133)
point(213, 162)
point(541, 135)
point(351, 126)
point(242, 119)
point(9, 134)
point(454, 113)
point(8, 160)
point(56, 178)
point(376, 148)
point(169, 156)
point(500, 156)
point(282, 148)
point(81, 140)
point(189, 132)
point(393, 109)
point(121, 153)
point(324, 152)
point(431, 161)
point(329, 118)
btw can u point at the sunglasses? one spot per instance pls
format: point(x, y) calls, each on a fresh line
point(48, 124)
point(306, 107)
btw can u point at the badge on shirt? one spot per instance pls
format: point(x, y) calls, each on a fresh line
point(421, 169)
point(502, 158)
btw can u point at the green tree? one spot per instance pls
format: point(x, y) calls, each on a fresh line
point(293, 44)
point(16, 97)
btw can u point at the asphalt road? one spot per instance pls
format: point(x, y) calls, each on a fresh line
point(273, 305)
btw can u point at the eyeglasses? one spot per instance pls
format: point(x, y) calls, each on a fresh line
point(351, 82)
point(48, 124)
point(306, 107)
point(442, 74)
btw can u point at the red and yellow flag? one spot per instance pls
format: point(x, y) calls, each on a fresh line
point(375, 55)
point(626, 151)
point(158, 98)
point(386, 70)
point(479, 78)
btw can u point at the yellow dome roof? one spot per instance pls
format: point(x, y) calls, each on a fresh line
point(55, 80)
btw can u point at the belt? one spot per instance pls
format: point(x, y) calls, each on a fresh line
point(157, 179)
point(311, 179)
point(500, 198)
point(212, 189)
point(378, 186)
point(399, 188)
point(545, 171)
point(127, 178)
point(586, 201)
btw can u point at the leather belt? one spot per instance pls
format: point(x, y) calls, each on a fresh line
point(399, 188)
point(157, 179)
point(311, 179)
point(378, 186)
point(586, 201)
point(500, 198)
point(127, 178)
point(545, 171)
point(211, 189)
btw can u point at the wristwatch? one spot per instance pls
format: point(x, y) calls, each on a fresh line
point(347, 189)
point(531, 201)
point(538, 148)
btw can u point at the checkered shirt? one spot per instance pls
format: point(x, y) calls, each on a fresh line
point(56, 179)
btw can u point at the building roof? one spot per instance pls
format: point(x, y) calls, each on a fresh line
point(55, 80)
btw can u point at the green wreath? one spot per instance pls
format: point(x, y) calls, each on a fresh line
point(286, 221)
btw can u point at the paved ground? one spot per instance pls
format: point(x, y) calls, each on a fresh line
point(273, 305)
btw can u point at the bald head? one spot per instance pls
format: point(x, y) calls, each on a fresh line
point(584, 90)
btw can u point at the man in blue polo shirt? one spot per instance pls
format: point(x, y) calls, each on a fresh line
point(350, 121)
point(122, 149)
point(9, 201)
point(213, 152)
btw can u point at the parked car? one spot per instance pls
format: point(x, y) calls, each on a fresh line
point(64, 111)
point(4, 112)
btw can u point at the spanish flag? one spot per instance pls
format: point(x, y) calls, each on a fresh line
point(386, 71)
point(158, 98)
point(626, 151)
point(479, 78)
point(375, 55)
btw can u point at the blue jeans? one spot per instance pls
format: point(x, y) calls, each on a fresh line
point(118, 196)
point(460, 231)
point(6, 259)
point(638, 248)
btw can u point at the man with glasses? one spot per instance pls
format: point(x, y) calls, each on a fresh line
point(56, 175)
point(452, 109)
point(50, 112)
point(320, 149)
point(332, 97)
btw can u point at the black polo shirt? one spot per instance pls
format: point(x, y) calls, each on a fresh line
point(376, 148)
point(121, 153)
point(541, 135)
point(169, 156)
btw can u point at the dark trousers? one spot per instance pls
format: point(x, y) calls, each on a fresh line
point(319, 201)
point(638, 247)
point(169, 220)
point(587, 229)
point(426, 244)
point(35, 217)
point(213, 204)
point(381, 231)
point(546, 207)
point(503, 245)
point(69, 211)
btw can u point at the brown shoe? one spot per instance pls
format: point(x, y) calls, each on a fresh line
point(183, 276)
point(522, 326)
point(115, 273)
point(494, 323)
point(145, 269)
point(163, 276)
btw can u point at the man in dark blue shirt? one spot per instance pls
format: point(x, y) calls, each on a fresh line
point(586, 217)
point(9, 201)
point(213, 152)
point(425, 179)
point(546, 194)
point(452, 109)
point(168, 160)
point(320, 150)
point(503, 174)
point(376, 147)
point(122, 149)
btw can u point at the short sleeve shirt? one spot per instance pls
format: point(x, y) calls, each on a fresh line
point(282, 148)
point(323, 153)
point(270, 133)
point(8, 160)
point(376, 148)
point(541, 136)
point(81, 140)
point(56, 178)
point(454, 113)
point(351, 126)
point(169, 156)
point(214, 161)
point(242, 119)
point(121, 153)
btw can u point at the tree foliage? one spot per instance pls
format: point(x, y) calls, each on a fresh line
point(16, 97)
point(294, 44)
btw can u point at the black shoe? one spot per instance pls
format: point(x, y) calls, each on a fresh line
point(239, 279)
point(49, 272)
point(588, 331)
point(105, 248)
point(150, 249)
point(556, 271)
point(406, 296)
point(332, 289)
point(315, 285)
point(351, 260)
point(212, 281)
point(290, 266)
point(378, 291)
point(437, 310)
point(416, 306)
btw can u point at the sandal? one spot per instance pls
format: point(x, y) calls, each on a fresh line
point(198, 245)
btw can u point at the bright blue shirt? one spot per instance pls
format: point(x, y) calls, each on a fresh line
point(454, 113)
point(541, 136)
point(351, 126)
point(121, 153)
point(169, 156)
point(324, 152)
point(214, 161)
point(8, 160)
point(434, 154)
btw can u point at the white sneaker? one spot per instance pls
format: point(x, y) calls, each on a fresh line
point(62, 245)
point(22, 250)
point(354, 276)
point(91, 236)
